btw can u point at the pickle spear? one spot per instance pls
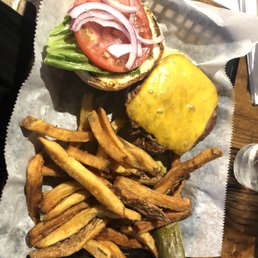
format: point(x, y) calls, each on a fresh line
point(168, 241)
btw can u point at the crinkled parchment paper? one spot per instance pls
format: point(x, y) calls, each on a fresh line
point(210, 37)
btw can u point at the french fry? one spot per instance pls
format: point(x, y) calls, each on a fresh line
point(84, 176)
point(148, 225)
point(101, 153)
point(125, 170)
point(129, 214)
point(53, 171)
point(73, 244)
point(150, 181)
point(151, 196)
point(86, 108)
point(142, 160)
point(42, 127)
point(89, 159)
point(145, 238)
point(54, 196)
point(66, 203)
point(148, 241)
point(177, 173)
point(42, 229)
point(104, 141)
point(33, 187)
point(178, 190)
point(132, 215)
point(69, 228)
point(119, 169)
point(118, 238)
point(145, 208)
point(108, 129)
point(114, 249)
point(97, 249)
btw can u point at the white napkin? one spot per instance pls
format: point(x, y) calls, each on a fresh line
point(250, 7)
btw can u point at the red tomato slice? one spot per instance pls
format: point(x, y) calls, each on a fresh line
point(94, 39)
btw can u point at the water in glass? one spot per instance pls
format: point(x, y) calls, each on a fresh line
point(246, 166)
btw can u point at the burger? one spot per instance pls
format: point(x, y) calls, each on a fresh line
point(112, 45)
point(174, 108)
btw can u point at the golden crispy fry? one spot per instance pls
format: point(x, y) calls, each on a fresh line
point(97, 250)
point(89, 159)
point(66, 203)
point(73, 244)
point(135, 157)
point(141, 159)
point(101, 153)
point(150, 181)
point(124, 169)
point(145, 208)
point(42, 229)
point(69, 228)
point(108, 129)
point(33, 187)
point(148, 225)
point(39, 126)
point(151, 196)
point(129, 214)
point(118, 238)
point(145, 238)
point(53, 197)
point(86, 108)
point(175, 160)
point(85, 177)
point(114, 249)
point(53, 171)
point(132, 215)
point(104, 141)
point(178, 190)
point(179, 172)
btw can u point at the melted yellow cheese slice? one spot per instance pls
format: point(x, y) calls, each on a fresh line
point(174, 103)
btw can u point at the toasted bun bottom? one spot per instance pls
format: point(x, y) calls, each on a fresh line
point(115, 82)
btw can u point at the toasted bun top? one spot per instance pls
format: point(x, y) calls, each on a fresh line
point(115, 82)
point(175, 103)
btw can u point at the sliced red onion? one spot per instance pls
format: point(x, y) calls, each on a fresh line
point(118, 50)
point(152, 41)
point(93, 13)
point(104, 23)
point(121, 7)
point(84, 7)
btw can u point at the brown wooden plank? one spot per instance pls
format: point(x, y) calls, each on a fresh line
point(246, 114)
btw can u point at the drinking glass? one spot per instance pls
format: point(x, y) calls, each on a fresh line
point(246, 166)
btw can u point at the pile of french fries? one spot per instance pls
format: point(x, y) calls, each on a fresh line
point(108, 194)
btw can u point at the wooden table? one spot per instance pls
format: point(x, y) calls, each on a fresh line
point(241, 220)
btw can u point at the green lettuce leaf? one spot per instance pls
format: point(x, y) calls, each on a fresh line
point(63, 51)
